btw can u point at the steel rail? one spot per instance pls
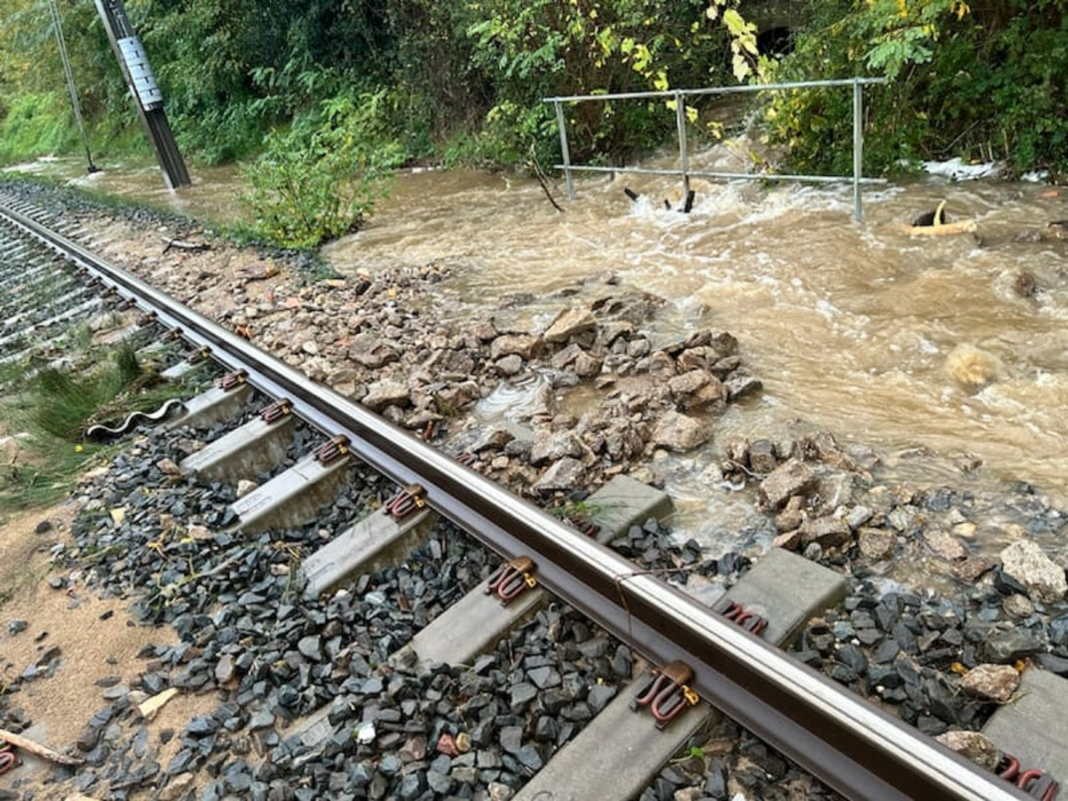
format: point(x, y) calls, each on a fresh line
point(847, 742)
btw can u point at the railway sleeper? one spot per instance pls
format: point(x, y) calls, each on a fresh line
point(374, 542)
point(783, 588)
point(292, 497)
point(244, 452)
point(474, 624)
point(214, 406)
point(1034, 727)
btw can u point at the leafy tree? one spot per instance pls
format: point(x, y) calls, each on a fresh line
point(320, 179)
point(974, 80)
point(532, 50)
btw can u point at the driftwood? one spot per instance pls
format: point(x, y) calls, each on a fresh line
point(963, 227)
point(36, 748)
point(542, 180)
point(192, 247)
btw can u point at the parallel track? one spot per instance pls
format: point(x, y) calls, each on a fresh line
point(846, 742)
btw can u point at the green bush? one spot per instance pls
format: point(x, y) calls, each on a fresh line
point(982, 82)
point(319, 179)
point(36, 124)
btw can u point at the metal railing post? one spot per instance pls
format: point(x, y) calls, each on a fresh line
point(684, 159)
point(677, 96)
point(858, 146)
point(562, 127)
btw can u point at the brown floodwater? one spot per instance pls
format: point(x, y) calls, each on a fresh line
point(906, 344)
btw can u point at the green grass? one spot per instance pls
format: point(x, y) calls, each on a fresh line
point(56, 408)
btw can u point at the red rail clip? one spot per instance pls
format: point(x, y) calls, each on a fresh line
point(332, 449)
point(8, 760)
point(233, 380)
point(407, 501)
point(747, 619)
point(1036, 783)
point(587, 527)
point(276, 411)
point(667, 693)
point(511, 578)
point(198, 356)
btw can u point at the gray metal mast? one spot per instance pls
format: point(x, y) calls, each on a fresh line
point(135, 67)
point(54, 9)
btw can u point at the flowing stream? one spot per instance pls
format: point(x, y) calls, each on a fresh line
point(950, 346)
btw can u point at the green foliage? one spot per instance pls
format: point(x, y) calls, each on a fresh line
point(66, 403)
point(533, 50)
point(36, 124)
point(973, 82)
point(466, 77)
point(319, 179)
point(55, 409)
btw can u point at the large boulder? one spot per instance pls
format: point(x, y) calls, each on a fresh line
point(1043, 578)
point(567, 474)
point(679, 432)
point(569, 323)
point(792, 477)
point(523, 345)
point(387, 392)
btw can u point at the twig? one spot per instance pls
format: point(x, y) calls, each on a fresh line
point(183, 245)
point(541, 180)
point(36, 748)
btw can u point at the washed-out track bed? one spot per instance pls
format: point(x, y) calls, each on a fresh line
point(317, 695)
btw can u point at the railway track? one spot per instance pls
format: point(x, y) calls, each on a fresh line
point(847, 743)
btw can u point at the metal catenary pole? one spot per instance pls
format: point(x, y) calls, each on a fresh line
point(147, 96)
point(75, 102)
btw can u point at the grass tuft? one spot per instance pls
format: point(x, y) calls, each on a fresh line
point(54, 412)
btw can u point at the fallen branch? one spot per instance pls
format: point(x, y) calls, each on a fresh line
point(541, 180)
point(36, 748)
point(193, 247)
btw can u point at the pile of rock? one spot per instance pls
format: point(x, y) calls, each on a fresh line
point(663, 398)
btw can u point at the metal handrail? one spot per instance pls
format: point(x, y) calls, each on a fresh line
point(680, 123)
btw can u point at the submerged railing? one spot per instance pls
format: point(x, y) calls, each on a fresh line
point(680, 116)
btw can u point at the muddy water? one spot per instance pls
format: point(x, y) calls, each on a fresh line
point(902, 343)
point(912, 345)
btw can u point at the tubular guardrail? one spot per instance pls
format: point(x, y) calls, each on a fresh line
point(680, 119)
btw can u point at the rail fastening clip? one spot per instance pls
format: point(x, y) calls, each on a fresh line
point(1036, 783)
point(667, 693)
point(233, 380)
point(332, 449)
point(511, 579)
point(746, 618)
point(276, 411)
point(407, 501)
